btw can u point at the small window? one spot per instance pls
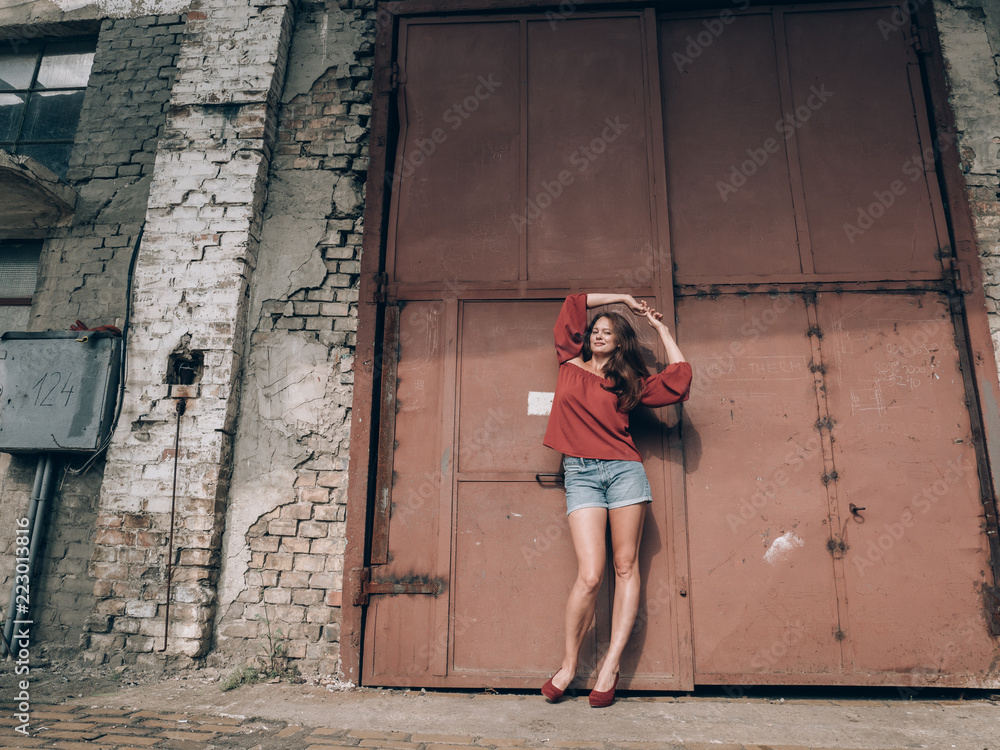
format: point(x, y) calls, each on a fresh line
point(41, 94)
point(18, 270)
point(18, 277)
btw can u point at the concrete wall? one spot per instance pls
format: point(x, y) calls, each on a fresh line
point(283, 550)
point(82, 275)
point(970, 41)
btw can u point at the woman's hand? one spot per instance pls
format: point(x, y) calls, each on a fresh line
point(639, 307)
point(655, 319)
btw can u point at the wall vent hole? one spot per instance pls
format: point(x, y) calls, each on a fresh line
point(185, 367)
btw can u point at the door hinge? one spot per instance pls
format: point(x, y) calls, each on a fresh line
point(919, 40)
point(397, 77)
point(381, 287)
point(392, 79)
point(394, 586)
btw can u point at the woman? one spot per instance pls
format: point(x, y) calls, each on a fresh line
point(602, 377)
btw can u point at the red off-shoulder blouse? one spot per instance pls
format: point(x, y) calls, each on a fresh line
point(585, 421)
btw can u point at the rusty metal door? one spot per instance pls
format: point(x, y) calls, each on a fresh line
point(836, 519)
point(774, 170)
point(527, 166)
point(837, 525)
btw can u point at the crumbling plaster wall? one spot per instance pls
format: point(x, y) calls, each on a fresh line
point(199, 252)
point(82, 274)
point(970, 41)
point(284, 542)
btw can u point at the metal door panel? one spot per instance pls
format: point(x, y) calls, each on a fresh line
point(421, 468)
point(862, 172)
point(420, 488)
point(762, 577)
point(490, 411)
point(727, 169)
point(409, 637)
point(514, 560)
point(457, 165)
point(917, 558)
point(658, 653)
point(514, 567)
point(588, 172)
point(508, 374)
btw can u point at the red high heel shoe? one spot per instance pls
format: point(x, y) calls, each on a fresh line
point(551, 692)
point(603, 699)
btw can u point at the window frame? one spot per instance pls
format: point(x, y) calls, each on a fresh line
point(13, 145)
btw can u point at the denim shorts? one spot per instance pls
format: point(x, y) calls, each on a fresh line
point(597, 483)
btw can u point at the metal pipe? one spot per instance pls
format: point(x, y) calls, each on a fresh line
point(43, 473)
point(38, 528)
point(180, 407)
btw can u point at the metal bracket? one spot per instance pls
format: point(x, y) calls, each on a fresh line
point(395, 586)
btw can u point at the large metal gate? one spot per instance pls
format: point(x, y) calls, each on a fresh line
point(768, 176)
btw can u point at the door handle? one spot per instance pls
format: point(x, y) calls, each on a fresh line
point(856, 512)
point(554, 478)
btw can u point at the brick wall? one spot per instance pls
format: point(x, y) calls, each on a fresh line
point(192, 284)
point(283, 557)
point(82, 274)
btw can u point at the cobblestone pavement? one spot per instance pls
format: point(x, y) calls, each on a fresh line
point(68, 728)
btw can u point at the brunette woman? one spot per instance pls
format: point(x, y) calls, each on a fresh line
point(602, 377)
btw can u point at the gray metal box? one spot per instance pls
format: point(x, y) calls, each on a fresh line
point(57, 393)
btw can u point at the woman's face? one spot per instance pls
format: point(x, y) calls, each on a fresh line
point(602, 337)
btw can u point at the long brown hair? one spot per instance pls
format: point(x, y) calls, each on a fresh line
point(626, 367)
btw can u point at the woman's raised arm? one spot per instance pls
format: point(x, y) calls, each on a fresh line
point(674, 354)
point(637, 306)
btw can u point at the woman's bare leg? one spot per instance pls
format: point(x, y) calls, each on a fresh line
point(626, 531)
point(587, 527)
